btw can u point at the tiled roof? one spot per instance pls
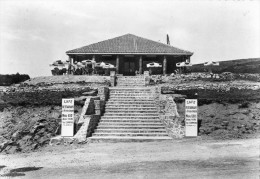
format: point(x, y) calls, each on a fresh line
point(128, 44)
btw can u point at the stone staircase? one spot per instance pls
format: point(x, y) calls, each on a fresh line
point(130, 114)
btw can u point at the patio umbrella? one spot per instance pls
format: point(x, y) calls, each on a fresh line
point(86, 62)
point(80, 65)
point(210, 64)
point(101, 64)
point(59, 63)
point(183, 64)
point(153, 64)
point(107, 65)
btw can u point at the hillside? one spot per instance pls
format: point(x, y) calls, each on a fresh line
point(250, 65)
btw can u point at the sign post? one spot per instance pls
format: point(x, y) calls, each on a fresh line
point(191, 117)
point(67, 119)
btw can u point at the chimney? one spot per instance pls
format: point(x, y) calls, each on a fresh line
point(168, 40)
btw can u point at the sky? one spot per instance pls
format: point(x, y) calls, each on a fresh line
point(35, 33)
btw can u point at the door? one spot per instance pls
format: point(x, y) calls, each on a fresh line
point(129, 67)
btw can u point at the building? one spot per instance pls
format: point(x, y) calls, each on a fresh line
point(130, 53)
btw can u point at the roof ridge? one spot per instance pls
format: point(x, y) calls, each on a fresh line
point(123, 44)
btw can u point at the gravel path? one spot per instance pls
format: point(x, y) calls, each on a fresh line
point(188, 158)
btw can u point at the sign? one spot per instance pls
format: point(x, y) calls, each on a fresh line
point(191, 117)
point(67, 118)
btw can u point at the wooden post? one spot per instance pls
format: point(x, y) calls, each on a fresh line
point(70, 65)
point(93, 64)
point(188, 59)
point(164, 65)
point(140, 65)
point(117, 64)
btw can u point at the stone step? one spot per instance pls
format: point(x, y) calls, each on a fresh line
point(130, 105)
point(115, 120)
point(130, 134)
point(135, 102)
point(129, 77)
point(130, 117)
point(157, 123)
point(137, 79)
point(130, 82)
point(129, 89)
point(129, 130)
point(139, 127)
point(132, 99)
point(128, 138)
point(130, 111)
point(131, 95)
point(133, 92)
point(121, 81)
point(130, 108)
point(130, 114)
point(122, 104)
point(145, 101)
point(125, 85)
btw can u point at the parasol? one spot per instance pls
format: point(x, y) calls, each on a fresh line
point(183, 64)
point(153, 64)
point(86, 62)
point(210, 64)
point(107, 66)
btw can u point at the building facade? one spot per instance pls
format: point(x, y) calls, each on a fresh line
point(130, 53)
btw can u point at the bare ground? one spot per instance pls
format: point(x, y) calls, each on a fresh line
point(187, 158)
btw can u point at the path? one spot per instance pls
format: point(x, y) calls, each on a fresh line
point(177, 159)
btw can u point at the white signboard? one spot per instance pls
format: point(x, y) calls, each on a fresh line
point(67, 119)
point(191, 117)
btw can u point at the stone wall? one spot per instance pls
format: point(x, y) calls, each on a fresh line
point(67, 79)
point(41, 96)
point(94, 120)
point(215, 91)
point(103, 93)
point(169, 116)
point(226, 76)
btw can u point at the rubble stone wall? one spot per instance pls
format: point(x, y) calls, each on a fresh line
point(226, 76)
point(213, 91)
point(67, 79)
point(170, 117)
point(41, 97)
point(94, 120)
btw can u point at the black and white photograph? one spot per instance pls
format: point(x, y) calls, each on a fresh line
point(130, 89)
